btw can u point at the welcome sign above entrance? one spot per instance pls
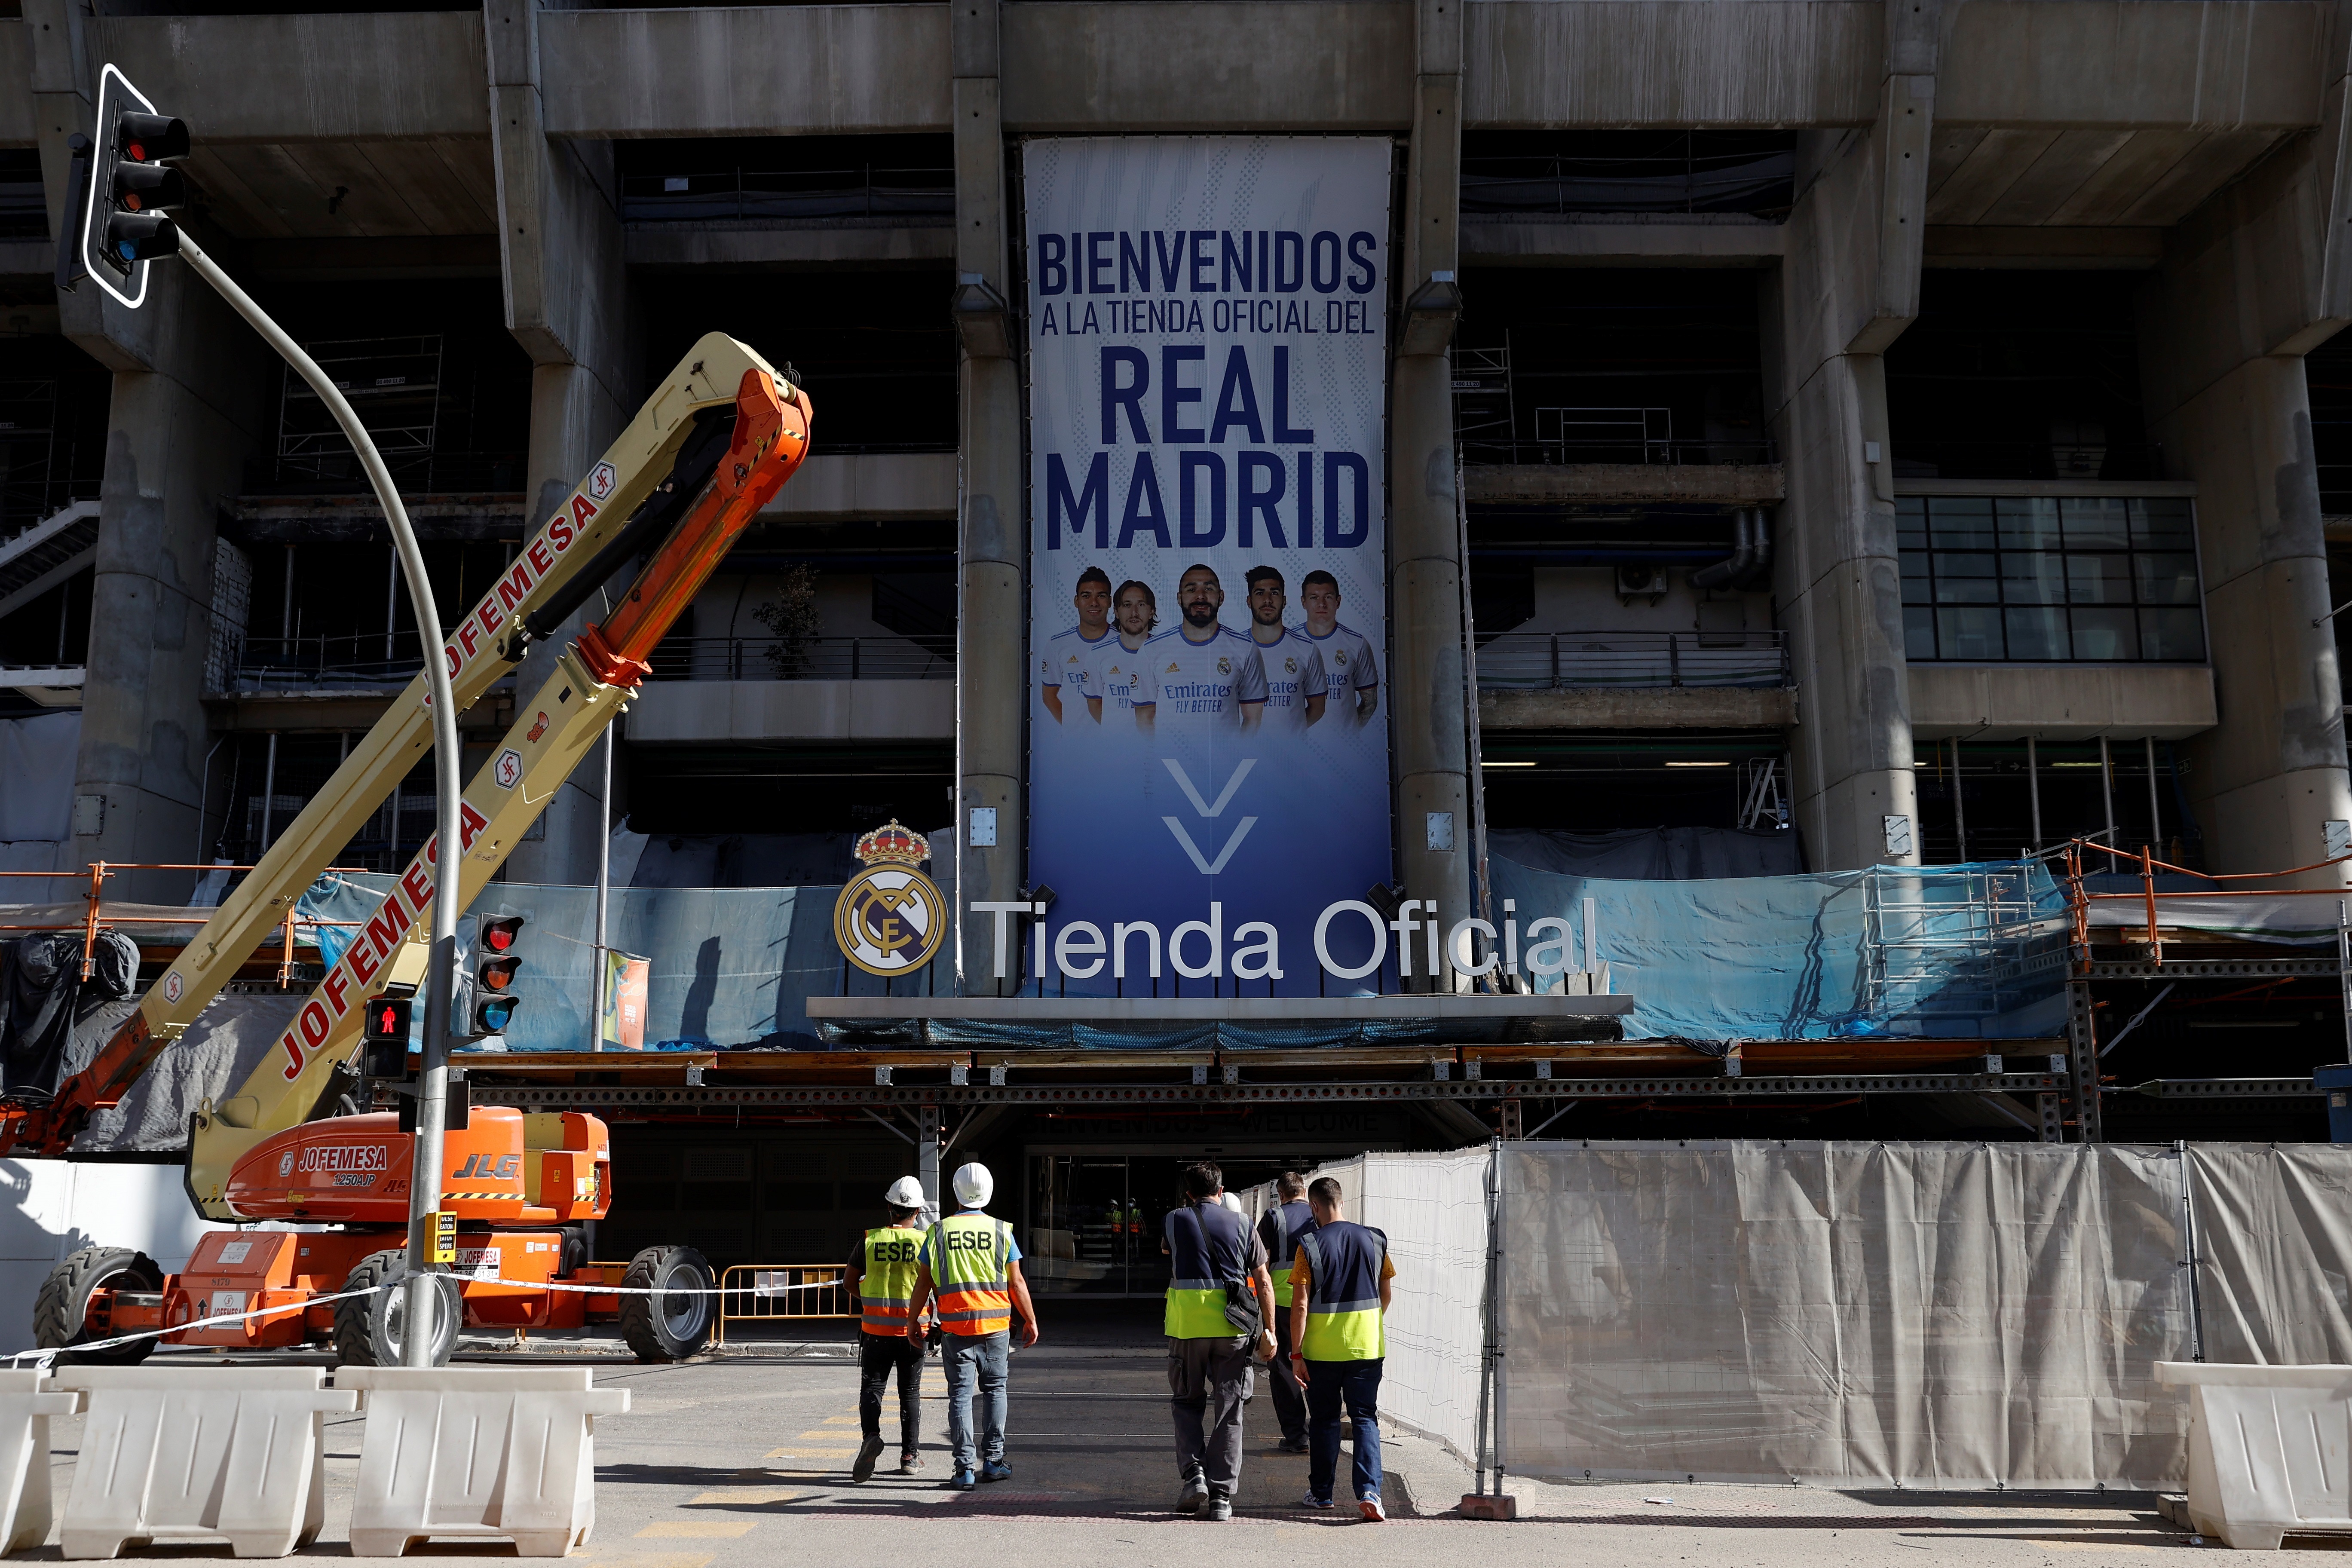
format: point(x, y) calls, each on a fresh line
point(1209, 748)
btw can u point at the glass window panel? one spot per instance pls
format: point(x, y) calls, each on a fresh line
point(1910, 512)
point(1953, 563)
point(2105, 634)
point(2167, 579)
point(2176, 635)
point(2099, 579)
point(2162, 524)
point(2027, 523)
point(1962, 522)
point(2036, 633)
point(1908, 538)
point(1918, 632)
point(1970, 634)
point(2032, 579)
point(2094, 522)
point(1967, 590)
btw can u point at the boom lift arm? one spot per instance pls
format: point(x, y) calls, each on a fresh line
point(635, 494)
point(591, 686)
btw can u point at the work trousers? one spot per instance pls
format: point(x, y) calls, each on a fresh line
point(1208, 1381)
point(1331, 1385)
point(879, 1355)
point(971, 1360)
point(1290, 1399)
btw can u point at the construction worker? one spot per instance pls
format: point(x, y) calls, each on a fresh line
point(1208, 1247)
point(1279, 1229)
point(889, 1338)
point(972, 1264)
point(1338, 1301)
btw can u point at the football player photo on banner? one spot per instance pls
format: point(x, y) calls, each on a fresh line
point(1209, 703)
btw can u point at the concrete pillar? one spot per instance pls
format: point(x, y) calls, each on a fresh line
point(1427, 721)
point(567, 301)
point(2249, 283)
point(1848, 286)
point(190, 394)
point(992, 519)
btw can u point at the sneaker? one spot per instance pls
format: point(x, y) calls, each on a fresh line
point(867, 1452)
point(1371, 1509)
point(963, 1480)
point(1219, 1509)
point(1311, 1500)
point(910, 1462)
point(1195, 1493)
point(995, 1470)
point(1291, 1445)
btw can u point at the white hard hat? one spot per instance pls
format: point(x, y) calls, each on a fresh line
point(1230, 1202)
point(906, 1193)
point(974, 1185)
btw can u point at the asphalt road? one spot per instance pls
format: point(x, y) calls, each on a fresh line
point(735, 1460)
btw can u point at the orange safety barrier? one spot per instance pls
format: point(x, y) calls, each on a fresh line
point(778, 1292)
point(99, 870)
point(2080, 898)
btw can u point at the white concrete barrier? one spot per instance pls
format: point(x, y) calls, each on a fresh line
point(2270, 1449)
point(28, 1400)
point(191, 1453)
point(469, 1452)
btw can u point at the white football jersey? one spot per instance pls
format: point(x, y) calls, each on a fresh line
point(1347, 660)
point(1116, 670)
point(1201, 684)
point(1068, 662)
point(1294, 672)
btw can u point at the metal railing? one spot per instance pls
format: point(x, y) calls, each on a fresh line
point(782, 1292)
point(323, 469)
point(94, 917)
point(804, 659)
point(1630, 449)
point(1633, 660)
point(357, 661)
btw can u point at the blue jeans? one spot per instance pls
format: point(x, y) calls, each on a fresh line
point(1328, 1385)
point(967, 1358)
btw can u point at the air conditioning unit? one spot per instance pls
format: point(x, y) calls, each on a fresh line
point(1642, 582)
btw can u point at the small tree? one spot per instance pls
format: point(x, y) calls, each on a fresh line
point(791, 619)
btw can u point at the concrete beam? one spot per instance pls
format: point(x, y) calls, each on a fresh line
point(1617, 63)
point(1596, 242)
point(17, 118)
point(1209, 65)
point(883, 486)
point(2060, 703)
point(349, 75)
point(2214, 65)
point(1685, 708)
point(789, 249)
point(2037, 249)
point(688, 711)
point(1537, 484)
point(759, 70)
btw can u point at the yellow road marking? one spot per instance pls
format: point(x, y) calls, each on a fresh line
point(697, 1528)
point(841, 1420)
point(809, 1453)
point(750, 1495)
point(820, 1436)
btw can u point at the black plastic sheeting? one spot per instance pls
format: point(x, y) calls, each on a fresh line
point(43, 996)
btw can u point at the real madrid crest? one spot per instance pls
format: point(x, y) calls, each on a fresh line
point(890, 918)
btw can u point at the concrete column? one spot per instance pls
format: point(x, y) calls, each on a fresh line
point(1427, 721)
point(993, 526)
point(567, 300)
point(2249, 283)
point(1847, 287)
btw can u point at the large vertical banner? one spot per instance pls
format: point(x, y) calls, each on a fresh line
point(1208, 706)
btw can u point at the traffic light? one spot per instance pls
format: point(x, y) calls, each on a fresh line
point(486, 1002)
point(129, 190)
point(385, 1037)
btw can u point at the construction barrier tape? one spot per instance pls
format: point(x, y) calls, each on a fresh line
point(45, 1357)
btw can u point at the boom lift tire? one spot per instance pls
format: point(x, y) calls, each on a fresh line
point(61, 1310)
point(666, 1327)
point(368, 1329)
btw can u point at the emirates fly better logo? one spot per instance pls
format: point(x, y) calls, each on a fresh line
point(890, 918)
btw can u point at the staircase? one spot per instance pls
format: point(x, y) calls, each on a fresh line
point(47, 553)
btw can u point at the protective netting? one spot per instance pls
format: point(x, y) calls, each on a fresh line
point(2275, 1244)
point(1928, 1315)
point(1975, 951)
